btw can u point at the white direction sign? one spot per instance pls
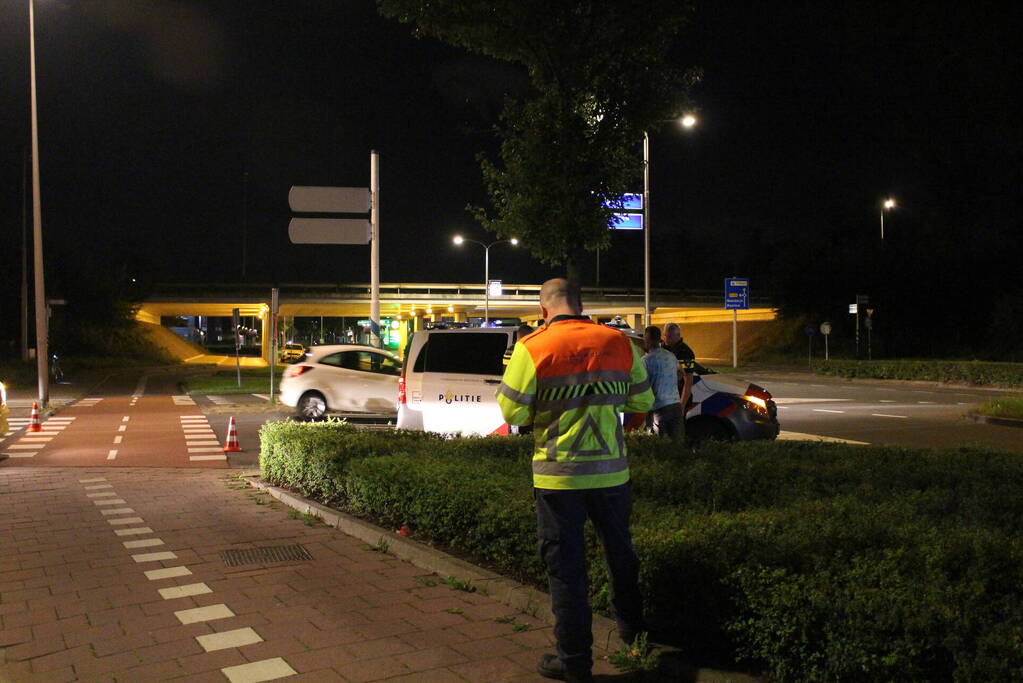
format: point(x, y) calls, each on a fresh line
point(328, 231)
point(313, 199)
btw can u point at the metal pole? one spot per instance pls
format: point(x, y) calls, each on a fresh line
point(374, 249)
point(486, 285)
point(646, 229)
point(24, 257)
point(882, 222)
point(735, 338)
point(826, 356)
point(42, 323)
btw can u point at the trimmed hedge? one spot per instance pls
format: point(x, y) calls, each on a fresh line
point(959, 371)
point(809, 561)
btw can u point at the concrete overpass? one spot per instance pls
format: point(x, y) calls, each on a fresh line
point(407, 307)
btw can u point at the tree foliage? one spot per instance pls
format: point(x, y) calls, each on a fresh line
point(601, 74)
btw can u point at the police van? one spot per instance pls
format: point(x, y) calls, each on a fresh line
point(449, 381)
point(450, 377)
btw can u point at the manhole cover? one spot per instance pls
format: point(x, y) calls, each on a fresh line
point(280, 553)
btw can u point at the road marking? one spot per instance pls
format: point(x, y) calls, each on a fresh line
point(118, 511)
point(122, 428)
point(154, 557)
point(202, 443)
point(174, 592)
point(89, 481)
point(99, 486)
point(225, 639)
point(112, 455)
point(27, 439)
point(126, 520)
point(254, 672)
point(204, 430)
point(219, 400)
point(887, 400)
point(901, 417)
point(145, 543)
point(207, 457)
point(168, 573)
point(786, 401)
point(118, 439)
point(140, 388)
point(126, 418)
point(204, 449)
point(926, 402)
point(799, 436)
point(108, 501)
point(31, 447)
point(20, 455)
point(102, 494)
point(265, 397)
point(185, 417)
point(825, 410)
point(208, 613)
point(136, 531)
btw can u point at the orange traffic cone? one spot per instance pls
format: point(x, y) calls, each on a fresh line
point(232, 438)
point(34, 425)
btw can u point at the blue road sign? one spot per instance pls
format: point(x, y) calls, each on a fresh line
point(736, 293)
point(627, 221)
point(629, 202)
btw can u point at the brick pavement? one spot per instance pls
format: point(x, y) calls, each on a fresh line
point(113, 574)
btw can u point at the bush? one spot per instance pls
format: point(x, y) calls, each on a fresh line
point(810, 561)
point(968, 372)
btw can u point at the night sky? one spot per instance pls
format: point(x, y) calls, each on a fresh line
point(169, 129)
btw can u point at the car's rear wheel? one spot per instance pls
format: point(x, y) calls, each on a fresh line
point(312, 405)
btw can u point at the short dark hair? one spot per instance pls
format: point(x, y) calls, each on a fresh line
point(653, 332)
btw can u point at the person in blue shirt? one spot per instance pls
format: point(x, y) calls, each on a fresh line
point(665, 418)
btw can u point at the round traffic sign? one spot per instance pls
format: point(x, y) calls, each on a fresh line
point(825, 328)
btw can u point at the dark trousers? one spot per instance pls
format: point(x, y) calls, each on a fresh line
point(560, 516)
point(668, 421)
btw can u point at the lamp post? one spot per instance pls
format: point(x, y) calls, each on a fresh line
point(686, 121)
point(42, 323)
point(458, 239)
point(888, 205)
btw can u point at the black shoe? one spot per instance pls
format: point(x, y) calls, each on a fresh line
point(550, 666)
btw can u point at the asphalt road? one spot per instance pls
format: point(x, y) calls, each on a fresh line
point(129, 422)
point(885, 412)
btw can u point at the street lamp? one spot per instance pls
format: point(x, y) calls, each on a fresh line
point(42, 346)
point(458, 239)
point(888, 205)
point(686, 121)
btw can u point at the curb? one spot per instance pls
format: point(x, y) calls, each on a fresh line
point(1000, 421)
point(506, 591)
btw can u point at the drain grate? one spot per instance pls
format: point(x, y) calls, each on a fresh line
point(280, 553)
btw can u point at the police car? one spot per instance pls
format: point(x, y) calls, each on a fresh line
point(450, 377)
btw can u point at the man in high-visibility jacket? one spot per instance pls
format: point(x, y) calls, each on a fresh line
point(572, 380)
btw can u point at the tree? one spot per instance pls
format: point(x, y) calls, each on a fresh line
point(601, 74)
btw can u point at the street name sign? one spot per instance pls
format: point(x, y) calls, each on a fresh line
point(627, 221)
point(314, 199)
point(736, 293)
point(329, 231)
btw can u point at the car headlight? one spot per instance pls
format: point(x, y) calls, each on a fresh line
point(756, 401)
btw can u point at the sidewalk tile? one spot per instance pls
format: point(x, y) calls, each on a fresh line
point(433, 658)
point(374, 669)
point(496, 668)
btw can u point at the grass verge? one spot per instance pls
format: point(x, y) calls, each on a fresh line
point(1003, 407)
point(225, 381)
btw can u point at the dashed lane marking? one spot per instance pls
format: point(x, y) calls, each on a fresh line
point(112, 454)
point(168, 573)
point(144, 543)
point(208, 613)
point(108, 501)
point(134, 531)
point(263, 670)
point(154, 557)
point(239, 637)
point(126, 520)
point(901, 417)
point(184, 591)
point(825, 410)
point(118, 511)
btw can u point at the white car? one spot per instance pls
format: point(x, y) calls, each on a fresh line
point(342, 378)
point(450, 379)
